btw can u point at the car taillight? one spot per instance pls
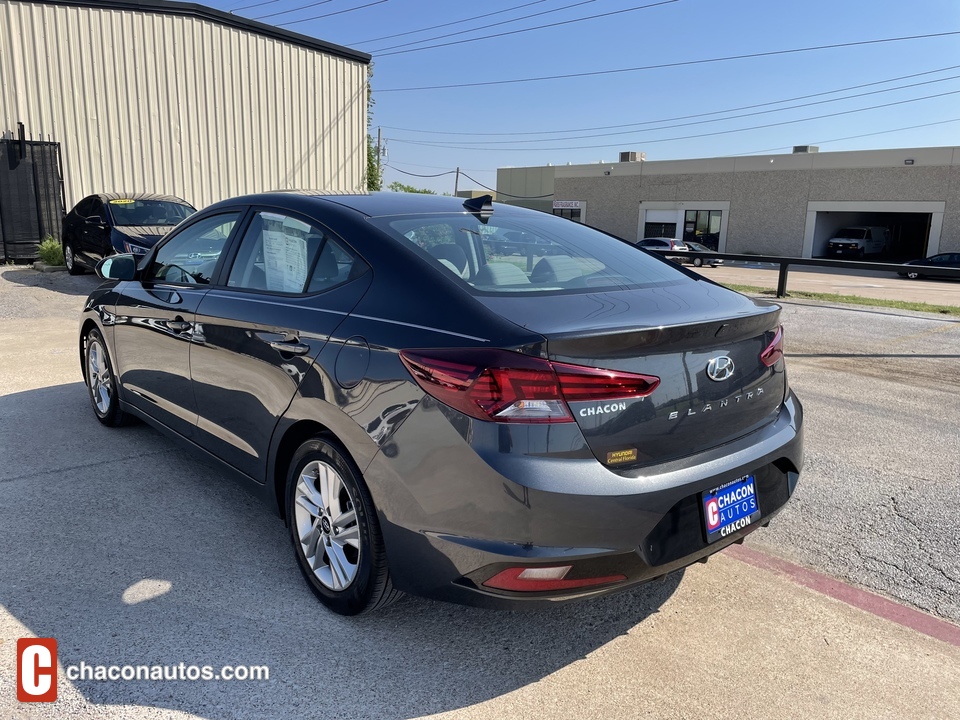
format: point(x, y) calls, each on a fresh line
point(774, 350)
point(505, 386)
point(540, 579)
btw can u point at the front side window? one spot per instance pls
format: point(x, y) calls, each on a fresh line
point(190, 257)
point(283, 254)
point(527, 254)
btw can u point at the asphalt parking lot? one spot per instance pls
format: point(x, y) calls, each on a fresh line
point(129, 551)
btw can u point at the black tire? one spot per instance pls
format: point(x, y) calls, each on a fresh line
point(370, 587)
point(698, 262)
point(102, 382)
point(70, 260)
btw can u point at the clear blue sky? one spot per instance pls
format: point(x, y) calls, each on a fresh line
point(674, 32)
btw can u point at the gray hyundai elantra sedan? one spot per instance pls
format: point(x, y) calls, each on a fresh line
point(431, 415)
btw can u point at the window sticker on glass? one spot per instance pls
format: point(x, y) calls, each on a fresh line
point(285, 253)
point(122, 201)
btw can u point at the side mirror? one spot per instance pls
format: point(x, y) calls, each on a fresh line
point(118, 267)
point(94, 220)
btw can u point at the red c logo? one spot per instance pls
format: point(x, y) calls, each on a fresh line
point(713, 514)
point(36, 670)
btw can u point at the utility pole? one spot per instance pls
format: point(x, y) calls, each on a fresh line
point(456, 182)
point(379, 153)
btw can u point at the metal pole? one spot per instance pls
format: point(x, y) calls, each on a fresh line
point(782, 281)
point(456, 182)
point(379, 153)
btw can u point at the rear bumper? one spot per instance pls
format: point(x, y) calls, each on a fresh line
point(453, 515)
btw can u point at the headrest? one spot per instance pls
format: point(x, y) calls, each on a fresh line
point(452, 253)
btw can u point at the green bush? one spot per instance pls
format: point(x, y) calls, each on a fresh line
point(50, 251)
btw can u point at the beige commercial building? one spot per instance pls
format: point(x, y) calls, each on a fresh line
point(177, 98)
point(788, 204)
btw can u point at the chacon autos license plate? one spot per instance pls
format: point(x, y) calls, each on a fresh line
point(730, 507)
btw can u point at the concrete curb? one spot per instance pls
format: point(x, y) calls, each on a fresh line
point(41, 266)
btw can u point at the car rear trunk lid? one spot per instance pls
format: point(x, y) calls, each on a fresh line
point(714, 387)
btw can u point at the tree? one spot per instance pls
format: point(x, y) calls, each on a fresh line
point(374, 174)
point(398, 186)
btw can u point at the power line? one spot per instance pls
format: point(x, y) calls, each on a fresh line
point(339, 12)
point(680, 117)
point(854, 137)
point(691, 137)
point(448, 24)
point(684, 63)
point(295, 9)
point(449, 172)
point(485, 27)
point(247, 7)
point(517, 197)
point(438, 167)
point(705, 122)
point(537, 27)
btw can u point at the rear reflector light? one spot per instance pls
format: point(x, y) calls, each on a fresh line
point(774, 351)
point(518, 579)
point(505, 386)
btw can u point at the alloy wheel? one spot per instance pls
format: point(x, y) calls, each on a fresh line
point(327, 526)
point(99, 377)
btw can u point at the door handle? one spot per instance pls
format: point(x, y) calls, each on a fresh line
point(290, 348)
point(179, 325)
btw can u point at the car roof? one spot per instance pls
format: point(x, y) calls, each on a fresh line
point(372, 204)
point(107, 196)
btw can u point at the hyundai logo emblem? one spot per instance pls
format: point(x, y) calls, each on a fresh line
point(720, 368)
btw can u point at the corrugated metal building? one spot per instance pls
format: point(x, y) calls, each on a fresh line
point(178, 98)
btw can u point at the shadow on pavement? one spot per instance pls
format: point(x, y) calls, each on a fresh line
point(108, 509)
point(61, 282)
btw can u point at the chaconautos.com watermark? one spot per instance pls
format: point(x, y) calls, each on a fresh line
point(37, 671)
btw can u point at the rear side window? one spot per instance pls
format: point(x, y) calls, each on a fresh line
point(535, 253)
point(283, 254)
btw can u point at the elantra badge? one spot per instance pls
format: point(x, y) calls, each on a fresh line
point(720, 368)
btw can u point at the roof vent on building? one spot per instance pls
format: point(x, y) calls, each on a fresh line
point(632, 156)
point(804, 149)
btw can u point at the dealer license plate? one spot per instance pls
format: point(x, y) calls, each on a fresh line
point(730, 507)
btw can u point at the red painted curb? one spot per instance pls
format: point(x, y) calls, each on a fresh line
point(866, 601)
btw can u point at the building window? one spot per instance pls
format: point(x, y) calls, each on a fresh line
point(655, 229)
point(568, 213)
point(703, 226)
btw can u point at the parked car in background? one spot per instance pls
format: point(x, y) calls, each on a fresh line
point(434, 418)
point(698, 261)
point(859, 241)
point(108, 223)
point(930, 267)
point(663, 246)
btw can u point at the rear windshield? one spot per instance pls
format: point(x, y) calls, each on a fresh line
point(852, 233)
point(536, 253)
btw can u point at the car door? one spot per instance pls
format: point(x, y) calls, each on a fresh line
point(945, 260)
point(155, 321)
point(94, 231)
point(290, 284)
